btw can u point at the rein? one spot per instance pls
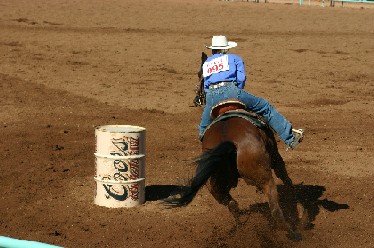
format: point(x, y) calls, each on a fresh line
point(200, 94)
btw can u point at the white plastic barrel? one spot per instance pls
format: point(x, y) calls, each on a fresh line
point(120, 166)
point(119, 194)
point(120, 140)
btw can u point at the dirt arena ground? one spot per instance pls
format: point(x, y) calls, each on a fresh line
point(69, 66)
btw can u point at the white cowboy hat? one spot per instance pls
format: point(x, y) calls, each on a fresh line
point(221, 42)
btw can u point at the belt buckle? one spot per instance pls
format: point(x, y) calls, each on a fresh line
point(216, 86)
point(219, 85)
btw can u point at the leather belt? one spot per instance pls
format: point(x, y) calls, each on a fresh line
point(216, 86)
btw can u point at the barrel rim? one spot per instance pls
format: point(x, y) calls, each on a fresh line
point(129, 157)
point(97, 179)
point(102, 128)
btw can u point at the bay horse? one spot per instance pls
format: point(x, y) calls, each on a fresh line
point(232, 148)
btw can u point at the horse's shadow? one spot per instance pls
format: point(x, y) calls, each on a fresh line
point(300, 204)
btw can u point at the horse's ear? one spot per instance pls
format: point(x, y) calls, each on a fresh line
point(203, 57)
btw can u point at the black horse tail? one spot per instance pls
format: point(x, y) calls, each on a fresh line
point(208, 163)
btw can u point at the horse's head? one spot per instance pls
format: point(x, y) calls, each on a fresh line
point(200, 94)
point(204, 57)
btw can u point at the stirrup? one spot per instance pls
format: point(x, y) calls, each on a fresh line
point(299, 136)
point(299, 131)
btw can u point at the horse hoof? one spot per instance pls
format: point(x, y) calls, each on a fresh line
point(233, 206)
point(295, 236)
point(308, 226)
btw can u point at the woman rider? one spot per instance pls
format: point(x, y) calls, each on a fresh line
point(224, 78)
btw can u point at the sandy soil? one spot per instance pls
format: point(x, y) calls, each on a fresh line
point(69, 66)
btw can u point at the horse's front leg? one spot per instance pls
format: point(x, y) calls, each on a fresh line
point(279, 167)
point(270, 190)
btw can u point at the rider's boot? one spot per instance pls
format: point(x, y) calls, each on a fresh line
point(298, 138)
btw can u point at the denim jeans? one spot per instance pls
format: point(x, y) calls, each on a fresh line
point(256, 104)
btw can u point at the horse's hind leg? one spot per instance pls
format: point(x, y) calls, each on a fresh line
point(270, 190)
point(219, 186)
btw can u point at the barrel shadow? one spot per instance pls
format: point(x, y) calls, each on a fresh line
point(159, 192)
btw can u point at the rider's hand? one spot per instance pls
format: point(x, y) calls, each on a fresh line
point(198, 101)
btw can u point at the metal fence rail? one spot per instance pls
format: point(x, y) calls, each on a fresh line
point(332, 3)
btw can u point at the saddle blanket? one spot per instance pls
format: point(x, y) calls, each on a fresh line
point(251, 117)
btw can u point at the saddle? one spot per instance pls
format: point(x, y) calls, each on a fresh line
point(234, 108)
point(226, 105)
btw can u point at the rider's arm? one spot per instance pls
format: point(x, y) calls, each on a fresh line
point(240, 74)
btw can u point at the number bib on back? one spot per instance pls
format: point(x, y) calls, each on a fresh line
point(216, 65)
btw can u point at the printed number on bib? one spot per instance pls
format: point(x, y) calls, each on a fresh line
point(216, 65)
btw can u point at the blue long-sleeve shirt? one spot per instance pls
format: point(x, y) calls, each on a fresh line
point(224, 68)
